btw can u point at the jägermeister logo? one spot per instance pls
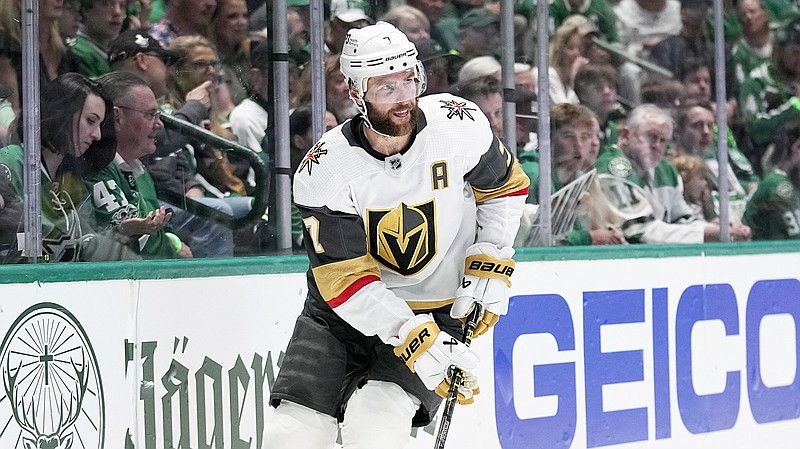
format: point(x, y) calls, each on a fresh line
point(52, 394)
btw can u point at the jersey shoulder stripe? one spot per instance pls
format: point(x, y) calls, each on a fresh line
point(351, 290)
point(338, 281)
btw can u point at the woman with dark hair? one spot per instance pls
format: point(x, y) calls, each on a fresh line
point(773, 212)
point(76, 140)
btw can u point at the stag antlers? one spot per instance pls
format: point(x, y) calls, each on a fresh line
point(59, 438)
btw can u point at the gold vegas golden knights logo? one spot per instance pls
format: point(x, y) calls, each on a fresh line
point(403, 238)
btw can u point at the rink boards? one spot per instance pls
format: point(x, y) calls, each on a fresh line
point(672, 348)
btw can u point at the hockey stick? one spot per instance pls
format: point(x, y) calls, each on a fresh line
point(456, 379)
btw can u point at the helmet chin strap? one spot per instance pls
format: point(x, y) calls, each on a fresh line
point(369, 125)
point(362, 108)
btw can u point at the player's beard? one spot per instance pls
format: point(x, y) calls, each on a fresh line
point(383, 124)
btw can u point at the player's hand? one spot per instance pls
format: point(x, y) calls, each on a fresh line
point(430, 353)
point(485, 281)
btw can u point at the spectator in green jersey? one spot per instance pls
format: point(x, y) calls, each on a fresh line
point(76, 140)
point(123, 193)
point(102, 22)
point(768, 96)
point(773, 212)
point(646, 190)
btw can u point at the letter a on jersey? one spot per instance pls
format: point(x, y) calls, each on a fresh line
point(403, 238)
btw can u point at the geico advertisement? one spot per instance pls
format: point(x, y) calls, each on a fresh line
point(688, 352)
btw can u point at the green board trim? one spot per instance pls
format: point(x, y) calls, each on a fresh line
point(204, 268)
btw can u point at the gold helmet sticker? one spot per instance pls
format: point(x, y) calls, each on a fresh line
point(403, 238)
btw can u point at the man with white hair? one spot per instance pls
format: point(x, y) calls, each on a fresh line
point(400, 204)
point(646, 191)
point(479, 67)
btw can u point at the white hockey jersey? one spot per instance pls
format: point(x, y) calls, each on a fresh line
point(388, 234)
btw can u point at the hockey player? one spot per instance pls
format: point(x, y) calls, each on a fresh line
point(403, 205)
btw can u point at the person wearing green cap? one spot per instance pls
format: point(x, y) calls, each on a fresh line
point(478, 33)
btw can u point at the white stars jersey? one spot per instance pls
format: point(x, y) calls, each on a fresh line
point(388, 234)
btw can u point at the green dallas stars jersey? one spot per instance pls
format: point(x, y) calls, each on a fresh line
point(745, 59)
point(651, 210)
point(92, 60)
point(120, 192)
point(766, 103)
point(67, 225)
point(61, 229)
point(773, 213)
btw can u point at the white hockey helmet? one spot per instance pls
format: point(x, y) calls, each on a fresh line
point(378, 50)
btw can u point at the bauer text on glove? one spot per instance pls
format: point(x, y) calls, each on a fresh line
point(487, 272)
point(429, 352)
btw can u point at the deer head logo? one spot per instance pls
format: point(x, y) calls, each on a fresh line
point(25, 414)
point(51, 381)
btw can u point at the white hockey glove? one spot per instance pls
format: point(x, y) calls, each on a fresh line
point(430, 353)
point(486, 280)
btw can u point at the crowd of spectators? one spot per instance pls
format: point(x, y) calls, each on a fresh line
point(647, 136)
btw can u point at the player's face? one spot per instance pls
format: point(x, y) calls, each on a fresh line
point(698, 134)
point(391, 102)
